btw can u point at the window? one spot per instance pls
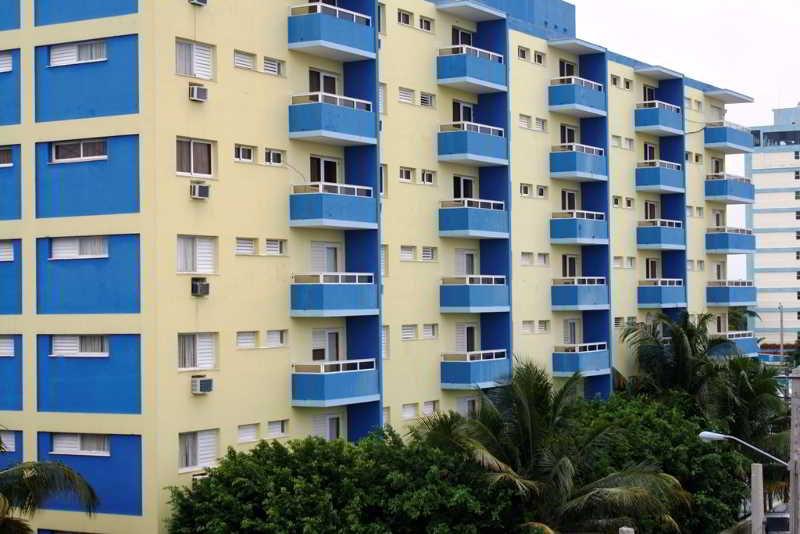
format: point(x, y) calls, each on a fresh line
point(615, 81)
point(430, 331)
point(277, 429)
point(525, 121)
point(430, 253)
point(427, 100)
point(406, 174)
point(382, 98)
point(277, 338)
point(425, 24)
point(797, 236)
point(194, 59)
point(6, 251)
point(197, 351)
point(629, 203)
point(408, 253)
point(406, 95)
point(381, 18)
point(797, 195)
point(430, 407)
point(71, 248)
point(275, 247)
point(690, 211)
point(410, 411)
point(8, 441)
point(689, 156)
point(618, 262)
point(628, 84)
point(383, 172)
point(528, 327)
point(467, 406)
point(541, 191)
point(797, 155)
point(81, 444)
point(248, 433)
point(385, 342)
point(540, 125)
point(246, 246)
point(698, 158)
point(629, 143)
point(616, 141)
point(525, 190)
point(427, 177)
point(698, 105)
point(193, 157)
point(690, 265)
point(524, 53)
point(274, 67)
point(701, 265)
point(247, 340)
point(384, 254)
point(197, 449)
point(539, 57)
point(273, 157)
point(197, 254)
point(630, 262)
point(527, 259)
point(542, 326)
point(405, 18)
point(244, 60)
point(408, 332)
point(243, 153)
point(619, 322)
point(542, 259)
point(6, 158)
point(6, 347)
point(79, 346)
point(6, 62)
point(73, 53)
point(699, 210)
point(85, 150)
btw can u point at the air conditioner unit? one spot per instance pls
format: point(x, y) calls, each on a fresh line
point(202, 385)
point(200, 3)
point(198, 93)
point(200, 476)
point(200, 287)
point(199, 190)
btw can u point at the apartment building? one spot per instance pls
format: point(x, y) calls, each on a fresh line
point(225, 221)
point(774, 168)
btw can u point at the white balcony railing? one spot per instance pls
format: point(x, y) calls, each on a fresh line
point(474, 203)
point(657, 163)
point(334, 278)
point(581, 347)
point(474, 280)
point(660, 223)
point(730, 283)
point(329, 98)
point(580, 281)
point(337, 366)
point(475, 356)
point(662, 282)
point(578, 214)
point(575, 80)
point(466, 50)
point(726, 124)
point(577, 147)
point(473, 127)
point(729, 230)
point(728, 177)
point(332, 189)
point(658, 104)
point(325, 9)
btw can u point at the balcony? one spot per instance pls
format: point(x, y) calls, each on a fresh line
point(322, 384)
point(332, 119)
point(728, 138)
point(471, 69)
point(729, 189)
point(588, 359)
point(331, 32)
point(473, 144)
point(658, 118)
point(731, 293)
point(745, 342)
point(475, 218)
point(727, 240)
point(661, 293)
point(659, 176)
point(335, 206)
point(474, 294)
point(660, 234)
point(334, 295)
point(580, 293)
point(580, 163)
point(578, 228)
point(470, 370)
point(577, 97)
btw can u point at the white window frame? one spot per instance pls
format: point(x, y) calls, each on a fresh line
point(6, 62)
point(192, 172)
point(269, 245)
point(429, 254)
point(427, 100)
point(244, 245)
point(6, 250)
point(75, 340)
point(408, 332)
point(74, 50)
point(430, 331)
point(283, 338)
point(194, 67)
point(247, 428)
point(406, 409)
point(284, 428)
point(195, 239)
point(81, 143)
point(280, 66)
point(7, 346)
point(78, 449)
point(212, 338)
point(406, 95)
point(197, 435)
point(77, 246)
point(243, 339)
point(238, 150)
point(244, 60)
point(269, 157)
point(431, 24)
point(8, 440)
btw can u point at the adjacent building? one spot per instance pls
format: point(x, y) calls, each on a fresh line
point(229, 221)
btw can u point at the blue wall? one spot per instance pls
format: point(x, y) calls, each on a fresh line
point(90, 89)
point(56, 11)
point(89, 187)
point(10, 91)
point(103, 285)
point(9, 14)
point(10, 187)
point(117, 479)
point(90, 385)
point(7, 459)
point(11, 282)
point(11, 378)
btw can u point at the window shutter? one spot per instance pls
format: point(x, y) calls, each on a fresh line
point(274, 338)
point(409, 411)
point(202, 61)
point(245, 246)
point(275, 428)
point(93, 246)
point(319, 338)
point(66, 442)
point(6, 251)
point(428, 407)
point(64, 247)
point(6, 347)
point(272, 66)
point(429, 331)
point(64, 54)
point(461, 337)
point(6, 63)
point(407, 253)
point(383, 260)
point(428, 253)
point(206, 252)
point(318, 257)
point(274, 247)
point(65, 345)
point(207, 448)
point(461, 261)
point(8, 441)
point(243, 60)
point(463, 405)
point(385, 342)
point(319, 426)
point(248, 433)
point(408, 332)
point(246, 340)
point(206, 348)
point(406, 95)
point(382, 98)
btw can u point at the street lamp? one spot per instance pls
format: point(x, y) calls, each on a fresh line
point(714, 436)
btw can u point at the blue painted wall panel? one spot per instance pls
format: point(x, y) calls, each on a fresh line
point(11, 282)
point(117, 479)
point(87, 90)
point(8, 459)
point(89, 187)
point(731, 296)
point(58, 11)
point(730, 243)
point(654, 237)
point(103, 285)
point(90, 385)
point(10, 91)
point(657, 117)
point(11, 187)
point(11, 378)
point(9, 15)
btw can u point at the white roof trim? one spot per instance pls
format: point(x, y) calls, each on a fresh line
point(658, 72)
point(470, 10)
point(576, 46)
point(729, 97)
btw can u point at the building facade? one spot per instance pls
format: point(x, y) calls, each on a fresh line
point(229, 221)
point(774, 168)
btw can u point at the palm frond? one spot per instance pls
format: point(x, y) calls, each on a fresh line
point(14, 525)
point(26, 486)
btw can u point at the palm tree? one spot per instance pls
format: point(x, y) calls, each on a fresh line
point(26, 486)
point(522, 436)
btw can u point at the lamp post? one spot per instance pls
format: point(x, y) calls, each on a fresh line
point(714, 436)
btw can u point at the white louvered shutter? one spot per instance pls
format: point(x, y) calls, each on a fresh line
point(206, 252)
point(63, 54)
point(463, 405)
point(272, 66)
point(206, 348)
point(6, 347)
point(93, 246)
point(275, 428)
point(245, 246)
point(319, 338)
point(6, 63)
point(385, 342)
point(274, 338)
point(6, 251)
point(274, 247)
point(243, 60)
point(383, 260)
point(319, 426)
point(207, 448)
point(407, 253)
point(66, 442)
point(248, 433)
point(246, 340)
point(406, 95)
point(203, 61)
point(8, 441)
point(408, 332)
point(318, 257)
point(409, 411)
point(461, 336)
point(65, 345)
point(461, 261)
point(428, 331)
point(64, 247)
point(382, 98)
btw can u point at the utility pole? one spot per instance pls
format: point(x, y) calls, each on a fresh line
point(756, 499)
point(780, 310)
point(794, 454)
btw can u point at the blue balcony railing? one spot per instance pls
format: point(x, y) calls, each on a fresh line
point(659, 118)
point(660, 234)
point(474, 218)
point(471, 69)
point(728, 138)
point(331, 32)
point(731, 293)
point(745, 342)
point(726, 240)
point(474, 294)
point(729, 189)
point(334, 383)
point(334, 295)
point(578, 228)
point(470, 370)
point(577, 97)
point(332, 119)
point(338, 206)
point(659, 176)
point(581, 293)
point(662, 293)
point(473, 144)
point(581, 163)
point(588, 359)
